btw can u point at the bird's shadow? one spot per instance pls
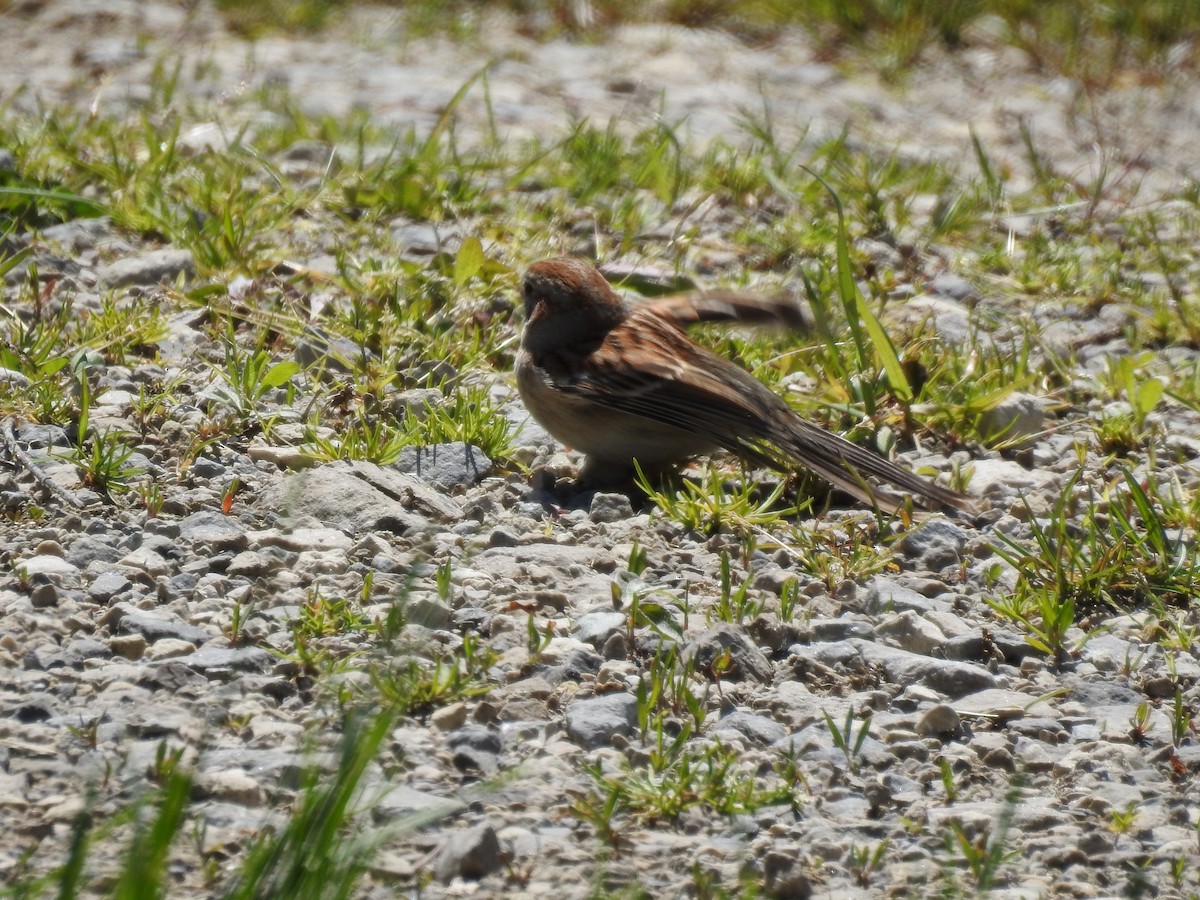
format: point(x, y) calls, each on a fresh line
point(799, 494)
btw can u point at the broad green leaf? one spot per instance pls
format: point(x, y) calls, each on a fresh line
point(280, 374)
point(8, 263)
point(469, 261)
point(1147, 395)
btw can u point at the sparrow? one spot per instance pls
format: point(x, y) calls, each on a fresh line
point(622, 381)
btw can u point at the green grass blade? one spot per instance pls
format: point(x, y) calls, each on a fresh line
point(824, 323)
point(315, 856)
point(144, 874)
point(70, 878)
point(432, 146)
point(64, 198)
point(994, 186)
point(860, 315)
point(1155, 532)
point(8, 263)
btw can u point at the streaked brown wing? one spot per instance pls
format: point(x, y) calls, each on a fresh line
point(648, 367)
point(731, 306)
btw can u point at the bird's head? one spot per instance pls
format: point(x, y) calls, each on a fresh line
point(571, 295)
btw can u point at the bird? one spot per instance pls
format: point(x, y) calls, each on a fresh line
point(622, 381)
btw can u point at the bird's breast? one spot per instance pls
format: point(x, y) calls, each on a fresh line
point(602, 430)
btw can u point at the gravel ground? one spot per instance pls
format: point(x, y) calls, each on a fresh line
point(114, 629)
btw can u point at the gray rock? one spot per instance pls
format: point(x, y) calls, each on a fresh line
point(516, 561)
point(130, 620)
point(301, 538)
point(1040, 728)
point(828, 630)
point(234, 819)
point(975, 818)
point(472, 854)
point(576, 667)
point(744, 661)
point(13, 377)
point(146, 268)
point(48, 566)
point(1039, 813)
point(476, 737)
point(816, 742)
point(578, 576)
point(503, 537)
point(1011, 647)
point(160, 719)
point(941, 315)
point(616, 647)
point(253, 564)
point(594, 721)
point(953, 679)
point(610, 508)
point(424, 238)
point(38, 707)
point(403, 802)
point(107, 585)
point(230, 786)
point(524, 702)
point(473, 760)
point(1002, 480)
point(755, 729)
point(427, 611)
point(908, 631)
point(884, 596)
point(317, 348)
point(203, 467)
point(939, 720)
point(209, 528)
point(449, 718)
point(935, 544)
point(218, 661)
point(954, 286)
point(361, 497)
point(166, 648)
point(1110, 653)
point(597, 627)
point(42, 437)
point(79, 234)
point(471, 618)
point(1017, 420)
point(445, 465)
point(74, 652)
point(416, 402)
point(268, 764)
point(147, 560)
point(44, 596)
point(1001, 704)
point(785, 875)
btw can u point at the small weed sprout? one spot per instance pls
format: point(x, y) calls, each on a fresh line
point(846, 739)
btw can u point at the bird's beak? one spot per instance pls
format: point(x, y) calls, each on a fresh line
point(533, 309)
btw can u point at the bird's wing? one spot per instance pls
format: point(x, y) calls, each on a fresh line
point(695, 307)
point(648, 367)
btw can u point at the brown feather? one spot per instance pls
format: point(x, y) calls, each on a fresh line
point(619, 381)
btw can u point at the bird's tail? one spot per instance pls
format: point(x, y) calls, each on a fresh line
point(848, 467)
